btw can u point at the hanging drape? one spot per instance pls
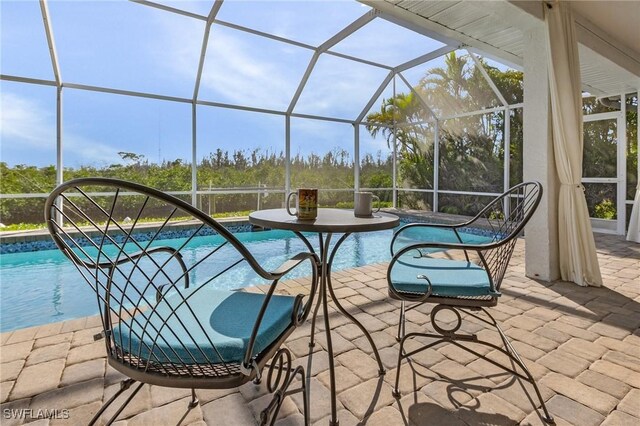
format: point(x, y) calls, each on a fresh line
point(633, 234)
point(577, 250)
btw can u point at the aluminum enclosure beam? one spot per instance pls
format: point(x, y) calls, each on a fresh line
point(375, 96)
point(170, 9)
point(419, 96)
point(194, 157)
point(427, 57)
point(205, 42)
point(486, 76)
point(303, 81)
point(28, 80)
point(341, 35)
point(44, 8)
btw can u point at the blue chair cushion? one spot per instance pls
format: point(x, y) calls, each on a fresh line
point(210, 327)
point(449, 278)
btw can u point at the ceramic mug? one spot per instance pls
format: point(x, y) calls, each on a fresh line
point(363, 204)
point(306, 203)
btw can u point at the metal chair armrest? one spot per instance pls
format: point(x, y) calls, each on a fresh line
point(300, 312)
point(293, 262)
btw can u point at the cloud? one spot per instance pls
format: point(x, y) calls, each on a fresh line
point(183, 38)
point(239, 68)
point(26, 122)
point(28, 133)
point(339, 88)
point(243, 69)
point(246, 70)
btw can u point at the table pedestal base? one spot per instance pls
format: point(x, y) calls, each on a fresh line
point(326, 289)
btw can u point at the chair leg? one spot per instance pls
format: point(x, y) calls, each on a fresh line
point(450, 335)
point(279, 378)
point(396, 390)
point(515, 357)
point(305, 398)
point(509, 351)
point(401, 326)
point(124, 385)
point(194, 399)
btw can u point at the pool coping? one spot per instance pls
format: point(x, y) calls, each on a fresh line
point(29, 241)
point(39, 239)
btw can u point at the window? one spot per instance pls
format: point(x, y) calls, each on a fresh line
point(472, 153)
point(311, 22)
point(139, 139)
point(322, 157)
point(25, 51)
point(452, 84)
point(339, 88)
point(241, 150)
point(28, 149)
point(386, 43)
point(131, 46)
point(244, 69)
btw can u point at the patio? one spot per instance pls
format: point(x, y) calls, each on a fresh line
point(232, 105)
point(581, 344)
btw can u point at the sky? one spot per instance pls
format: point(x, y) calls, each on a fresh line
point(123, 45)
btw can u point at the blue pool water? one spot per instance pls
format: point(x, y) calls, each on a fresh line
point(43, 286)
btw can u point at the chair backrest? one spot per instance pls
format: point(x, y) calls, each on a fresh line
point(102, 226)
point(505, 218)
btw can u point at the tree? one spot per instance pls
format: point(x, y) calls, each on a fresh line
point(471, 148)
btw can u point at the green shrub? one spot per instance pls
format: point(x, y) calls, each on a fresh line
point(605, 209)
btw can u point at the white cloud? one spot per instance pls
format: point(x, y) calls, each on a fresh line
point(183, 38)
point(242, 74)
point(236, 71)
point(26, 126)
point(26, 122)
point(243, 69)
point(339, 88)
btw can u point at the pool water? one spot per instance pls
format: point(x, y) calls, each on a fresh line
point(43, 287)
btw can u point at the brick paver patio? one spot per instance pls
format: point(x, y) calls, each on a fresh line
point(581, 344)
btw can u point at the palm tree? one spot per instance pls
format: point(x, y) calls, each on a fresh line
point(471, 148)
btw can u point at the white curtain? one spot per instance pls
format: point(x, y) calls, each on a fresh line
point(578, 258)
point(633, 234)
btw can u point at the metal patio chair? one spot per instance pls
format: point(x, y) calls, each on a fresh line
point(422, 270)
point(164, 322)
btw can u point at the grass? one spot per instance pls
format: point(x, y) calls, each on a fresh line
point(22, 227)
point(34, 226)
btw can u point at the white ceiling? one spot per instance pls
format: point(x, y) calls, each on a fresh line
point(609, 32)
point(619, 19)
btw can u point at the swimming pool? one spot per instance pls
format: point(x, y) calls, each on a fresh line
point(43, 286)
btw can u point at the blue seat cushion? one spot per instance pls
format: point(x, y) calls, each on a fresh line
point(449, 278)
point(211, 327)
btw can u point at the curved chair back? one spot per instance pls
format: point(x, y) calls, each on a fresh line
point(505, 218)
point(145, 282)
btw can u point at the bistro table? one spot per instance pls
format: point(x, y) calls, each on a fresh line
point(328, 222)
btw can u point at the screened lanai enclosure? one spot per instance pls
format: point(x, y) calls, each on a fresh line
point(231, 104)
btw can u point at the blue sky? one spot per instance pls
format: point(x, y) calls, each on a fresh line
point(123, 45)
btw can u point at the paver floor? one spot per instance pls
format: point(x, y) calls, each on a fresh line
point(581, 344)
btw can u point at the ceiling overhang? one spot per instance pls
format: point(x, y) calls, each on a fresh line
point(496, 29)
